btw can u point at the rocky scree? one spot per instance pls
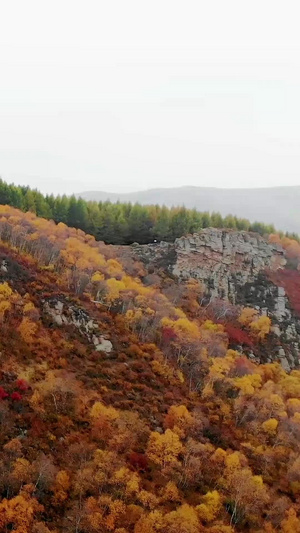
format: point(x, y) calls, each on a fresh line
point(64, 313)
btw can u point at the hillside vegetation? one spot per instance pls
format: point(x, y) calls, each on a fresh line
point(123, 223)
point(159, 428)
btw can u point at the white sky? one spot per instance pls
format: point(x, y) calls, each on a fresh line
point(128, 95)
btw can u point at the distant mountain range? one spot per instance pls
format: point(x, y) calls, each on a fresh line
point(277, 205)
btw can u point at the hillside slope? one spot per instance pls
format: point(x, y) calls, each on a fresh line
point(274, 205)
point(123, 407)
point(237, 268)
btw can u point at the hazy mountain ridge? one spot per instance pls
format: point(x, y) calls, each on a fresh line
point(274, 205)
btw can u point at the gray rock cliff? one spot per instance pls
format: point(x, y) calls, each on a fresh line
point(65, 314)
point(233, 265)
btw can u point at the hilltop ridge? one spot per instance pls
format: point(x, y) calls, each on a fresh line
point(270, 205)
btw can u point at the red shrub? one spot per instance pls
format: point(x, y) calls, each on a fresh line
point(243, 367)
point(290, 281)
point(139, 461)
point(16, 396)
point(168, 335)
point(3, 394)
point(22, 385)
point(238, 335)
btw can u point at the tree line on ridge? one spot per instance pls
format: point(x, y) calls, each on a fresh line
point(123, 223)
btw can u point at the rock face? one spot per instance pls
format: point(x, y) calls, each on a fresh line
point(65, 314)
point(221, 259)
point(4, 266)
point(234, 265)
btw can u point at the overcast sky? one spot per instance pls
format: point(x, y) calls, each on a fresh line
point(129, 95)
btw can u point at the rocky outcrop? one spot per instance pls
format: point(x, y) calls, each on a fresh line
point(234, 265)
point(4, 266)
point(67, 314)
point(221, 259)
point(270, 299)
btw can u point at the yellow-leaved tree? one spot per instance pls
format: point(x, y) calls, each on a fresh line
point(247, 316)
point(183, 520)
point(261, 327)
point(179, 420)
point(164, 449)
point(291, 524)
point(209, 509)
point(27, 330)
point(61, 486)
point(18, 513)
point(270, 426)
point(6, 296)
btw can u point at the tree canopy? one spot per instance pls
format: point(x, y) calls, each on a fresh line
point(122, 223)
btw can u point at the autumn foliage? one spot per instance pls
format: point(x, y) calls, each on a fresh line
point(170, 431)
